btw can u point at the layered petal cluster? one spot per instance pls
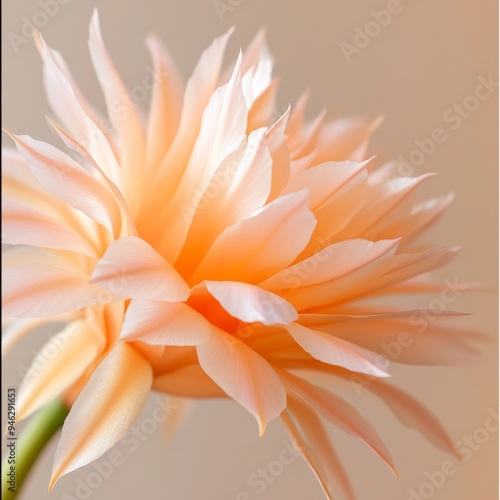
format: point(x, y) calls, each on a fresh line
point(216, 248)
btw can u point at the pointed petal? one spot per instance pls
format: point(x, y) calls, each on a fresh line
point(72, 109)
point(413, 414)
point(335, 351)
point(222, 130)
point(311, 440)
point(276, 140)
point(256, 247)
point(251, 304)
point(199, 88)
point(62, 177)
point(413, 337)
point(31, 290)
point(165, 323)
point(60, 363)
point(132, 268)
point(166, 103)
point(23, 225)
point(244, 376)
point(238, 189)
point(331, 263)
point(340, 413)
point(325, 180)
point(104, 411)
point(121, 110)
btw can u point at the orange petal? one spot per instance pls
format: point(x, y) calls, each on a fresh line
point(312, 442)
point(62, 177)
point(222, 131)
point(413, 414)
point(121, 110)
point(251, 304)
point(23, 225)
point(338, 412)
point(131, 267)
point(239, 188)
point(199, 88)
point(330, 263)
point(276, 140)
point(165, 323)
point(244, 376)
point(166, 103)
point(335, 351)
point(62, 360)
point(73, 110)
point(31, 290)
point(104, 411)
point(258, 246)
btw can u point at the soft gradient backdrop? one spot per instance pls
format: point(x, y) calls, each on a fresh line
point(412, 68)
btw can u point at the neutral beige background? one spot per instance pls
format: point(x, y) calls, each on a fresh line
point(426, 59)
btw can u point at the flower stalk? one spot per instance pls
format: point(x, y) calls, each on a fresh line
point(37, 433)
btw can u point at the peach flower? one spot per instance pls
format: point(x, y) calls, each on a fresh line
point(213, 249)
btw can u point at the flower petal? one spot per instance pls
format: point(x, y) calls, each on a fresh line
point(166, 103)
point(222, 130)
point(239, 188)
point(244, 376)
point(165, 323)
point(335, 351)
point(330, 263)
point(339, 412)
point(104, 411)
point(31, 290)
point(199, 88)
point(251, 304)
point(73, 110)
point(312, 442)
point(62, 360)
point(258, 246)
point(132, 268)
point(62, 177)
point(23, 225)
point(121, 110)
point(413, 414)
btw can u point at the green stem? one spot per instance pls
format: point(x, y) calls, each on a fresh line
point(36, 434)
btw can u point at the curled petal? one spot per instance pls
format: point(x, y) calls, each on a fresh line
point(251, 304)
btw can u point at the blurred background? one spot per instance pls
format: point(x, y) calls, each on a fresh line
point(417, 63)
